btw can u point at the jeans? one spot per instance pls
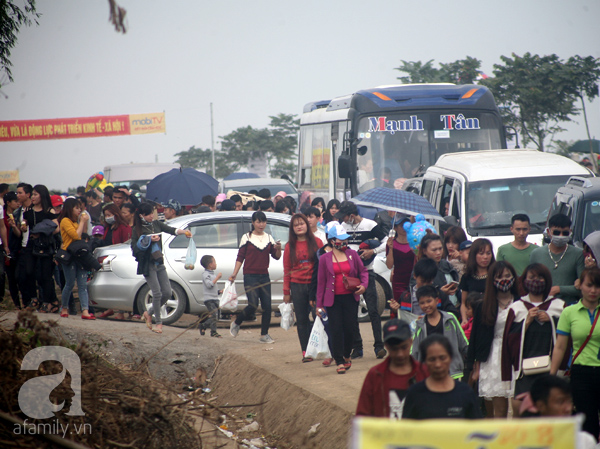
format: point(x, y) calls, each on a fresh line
point(254, 293)
point(158, 281)
point(74, 272)
point(300, 299)
point(370, 296)
point(342, 321)
point(585, 385)
point(212, 306)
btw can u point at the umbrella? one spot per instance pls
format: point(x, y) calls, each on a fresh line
point(240, 175)
point(397, 200)
point(187, 186)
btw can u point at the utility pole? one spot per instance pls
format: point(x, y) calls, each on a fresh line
point(212, 141)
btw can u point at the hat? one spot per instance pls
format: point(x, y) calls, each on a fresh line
point(98, 230)
point(396, 330)
point(347, 209)
point(56, 200)
point(173, 204)
point(282, 194)
point(228, 205)
point(400, 218)
point(220, 198)
point(337, 232)
point(465, 245)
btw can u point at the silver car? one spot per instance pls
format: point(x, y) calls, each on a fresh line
point(117, 286)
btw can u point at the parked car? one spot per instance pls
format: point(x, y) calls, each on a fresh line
point(579, 199)
point(117, 286)
point(273, 184)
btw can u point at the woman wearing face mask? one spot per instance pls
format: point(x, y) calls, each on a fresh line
point(146, 246)
point(529, 332)
point(485, 344)
point(340, 303)
point(116, 229)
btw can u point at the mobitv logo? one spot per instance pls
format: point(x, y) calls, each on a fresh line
point(148, 121)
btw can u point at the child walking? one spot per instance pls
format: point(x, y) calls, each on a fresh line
point(211, 295)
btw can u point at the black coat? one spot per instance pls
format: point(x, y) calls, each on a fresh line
point(482, 337)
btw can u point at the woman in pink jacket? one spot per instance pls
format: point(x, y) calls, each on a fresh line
point(340, 303)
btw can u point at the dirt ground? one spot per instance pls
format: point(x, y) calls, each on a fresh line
point(268, 383)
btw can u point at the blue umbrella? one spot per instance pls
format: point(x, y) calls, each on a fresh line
point(187, 186)
point(240, 175)
point(399, 201)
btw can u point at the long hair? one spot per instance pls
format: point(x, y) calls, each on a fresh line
point(327, 217)
point(425, 241)
point(67, 210)
point(489, 308)
point(143, 209)
point(42, 190)
point(311, 242)
point(540, 270)
point(318, 200)
point(478, 246)
point(114, 209)
point(454, 234)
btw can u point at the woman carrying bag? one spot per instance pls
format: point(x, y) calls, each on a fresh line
point(72, 225)
point(146, 246)
point(580, 322)
point(342, 278)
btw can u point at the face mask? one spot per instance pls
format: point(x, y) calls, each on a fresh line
point(109, 220)
point(535, 286)
point(341, 246)
point(560, 240)
point(504, 285)
point(144, 221)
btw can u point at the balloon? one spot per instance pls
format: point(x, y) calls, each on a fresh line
point(415, 231)
point(97, 181)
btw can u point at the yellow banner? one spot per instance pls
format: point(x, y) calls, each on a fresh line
point(9, 176)
point(147, 123)
point(531, 433)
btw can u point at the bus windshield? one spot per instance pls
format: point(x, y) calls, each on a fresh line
point(394, 146)
point(491, 204)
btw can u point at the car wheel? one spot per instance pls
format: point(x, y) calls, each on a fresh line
point(363, 314)
point(173, 308)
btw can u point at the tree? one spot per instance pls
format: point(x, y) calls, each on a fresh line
point(462, 71)
point(202, 160)
point(537, 94)
point(12, 17)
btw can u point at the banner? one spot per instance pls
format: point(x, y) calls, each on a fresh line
point(530, 433)
point(9, 176)
point(73, 128)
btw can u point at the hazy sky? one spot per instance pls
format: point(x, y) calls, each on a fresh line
point(251, 59)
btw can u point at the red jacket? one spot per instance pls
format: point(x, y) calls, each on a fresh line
point(120, 235)
point(374, 396)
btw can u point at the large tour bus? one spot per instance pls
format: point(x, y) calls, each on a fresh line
point(374, 137)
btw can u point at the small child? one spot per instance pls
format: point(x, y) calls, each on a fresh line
point(464, 249)
point(473, 298)
point(97, 237)
point(437, 321)
point(211, 295)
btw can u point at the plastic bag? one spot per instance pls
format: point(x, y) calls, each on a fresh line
point(287, 315)
point(317, 343)
point(410, 318)
point(229, 298)
point(190, 255)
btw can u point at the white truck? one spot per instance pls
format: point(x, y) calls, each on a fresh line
point(141, 174)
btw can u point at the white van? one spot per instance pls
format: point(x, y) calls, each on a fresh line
point(481, 190)
point(141, 174)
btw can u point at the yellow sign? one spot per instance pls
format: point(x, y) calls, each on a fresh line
point(9, 176)
point(531, 433)
point(147, 123)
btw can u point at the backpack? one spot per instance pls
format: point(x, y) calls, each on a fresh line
point(43, 245)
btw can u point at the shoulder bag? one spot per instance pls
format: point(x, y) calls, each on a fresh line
point(350, 283)
point(540, 364)
point(568, 372)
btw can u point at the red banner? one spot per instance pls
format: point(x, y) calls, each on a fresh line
point(72, 128)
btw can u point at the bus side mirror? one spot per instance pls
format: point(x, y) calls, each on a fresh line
point(344, 166)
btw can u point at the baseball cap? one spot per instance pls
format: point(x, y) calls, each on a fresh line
point(396, 330)
point(400, 218)
point(98, 230)
point(465, 245)
point(173, 204)
point(282, 194)
point(220, 198)
point(56, 200)
point(337, 232)
point(347, 209)
point(227, 205)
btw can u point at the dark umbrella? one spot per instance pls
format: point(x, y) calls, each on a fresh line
point(240, 175)
point(187, 186)
point(397, 200)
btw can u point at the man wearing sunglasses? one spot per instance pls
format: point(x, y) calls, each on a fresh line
point(565, 261)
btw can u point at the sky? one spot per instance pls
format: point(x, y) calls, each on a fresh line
point(252, 59)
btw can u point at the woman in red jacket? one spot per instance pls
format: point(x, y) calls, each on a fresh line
point(116, 229)
point(298, 262)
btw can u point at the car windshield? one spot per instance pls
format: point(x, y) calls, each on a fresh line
point(491, 204)
point(591, 218)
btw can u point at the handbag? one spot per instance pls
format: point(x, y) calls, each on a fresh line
point(63, 256)
point(350, 283)
point(540, 364)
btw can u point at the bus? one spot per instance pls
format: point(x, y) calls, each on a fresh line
point(379, 137)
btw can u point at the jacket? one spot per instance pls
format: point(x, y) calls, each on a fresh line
point(326, 276)
point(453, 332)
point(482, 336)
point(374, 399)
point(143, 256)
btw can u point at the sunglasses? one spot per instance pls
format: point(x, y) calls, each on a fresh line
point(564, 233)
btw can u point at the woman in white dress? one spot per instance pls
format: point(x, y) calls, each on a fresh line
point(485, 345)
